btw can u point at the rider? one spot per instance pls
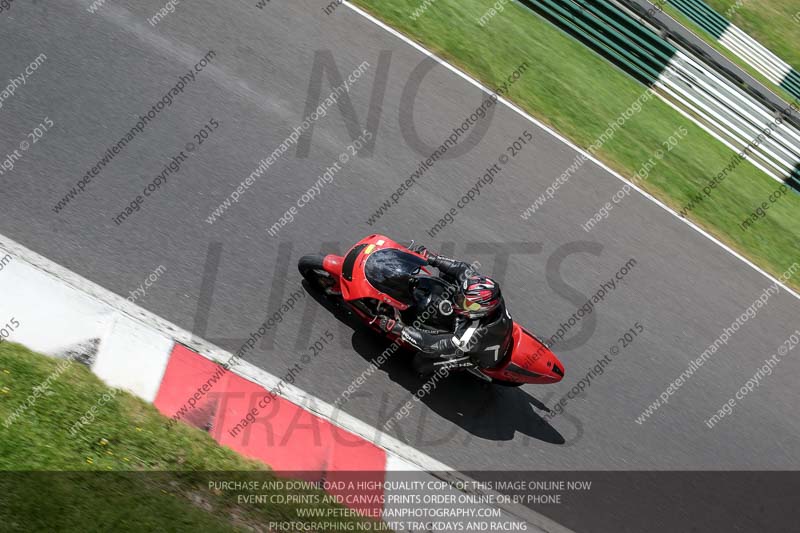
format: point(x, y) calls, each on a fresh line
point(481, 334)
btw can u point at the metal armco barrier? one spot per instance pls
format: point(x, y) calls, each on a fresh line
point(745, 47)
point(703, 95)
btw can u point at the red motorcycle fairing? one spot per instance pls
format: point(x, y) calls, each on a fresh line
point(529, 360)
point(353, 278)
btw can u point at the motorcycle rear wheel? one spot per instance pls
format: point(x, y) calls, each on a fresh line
point(310, 267)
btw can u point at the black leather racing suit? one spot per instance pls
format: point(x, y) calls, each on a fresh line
point(474, 341)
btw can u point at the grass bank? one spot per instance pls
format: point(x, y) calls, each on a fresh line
point(123, 470)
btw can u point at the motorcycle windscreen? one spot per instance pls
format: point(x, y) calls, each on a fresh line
point(391, 270)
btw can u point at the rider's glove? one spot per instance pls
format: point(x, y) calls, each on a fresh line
point(425, 253)
point(389, 325)
point(421, 250)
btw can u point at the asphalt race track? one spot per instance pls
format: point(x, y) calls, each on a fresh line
point(104, 70)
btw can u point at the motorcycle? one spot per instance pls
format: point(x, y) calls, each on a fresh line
point(379, 276)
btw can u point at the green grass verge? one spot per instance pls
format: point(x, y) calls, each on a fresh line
point(578, 93)
point(123, 471)
point(736, 60)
